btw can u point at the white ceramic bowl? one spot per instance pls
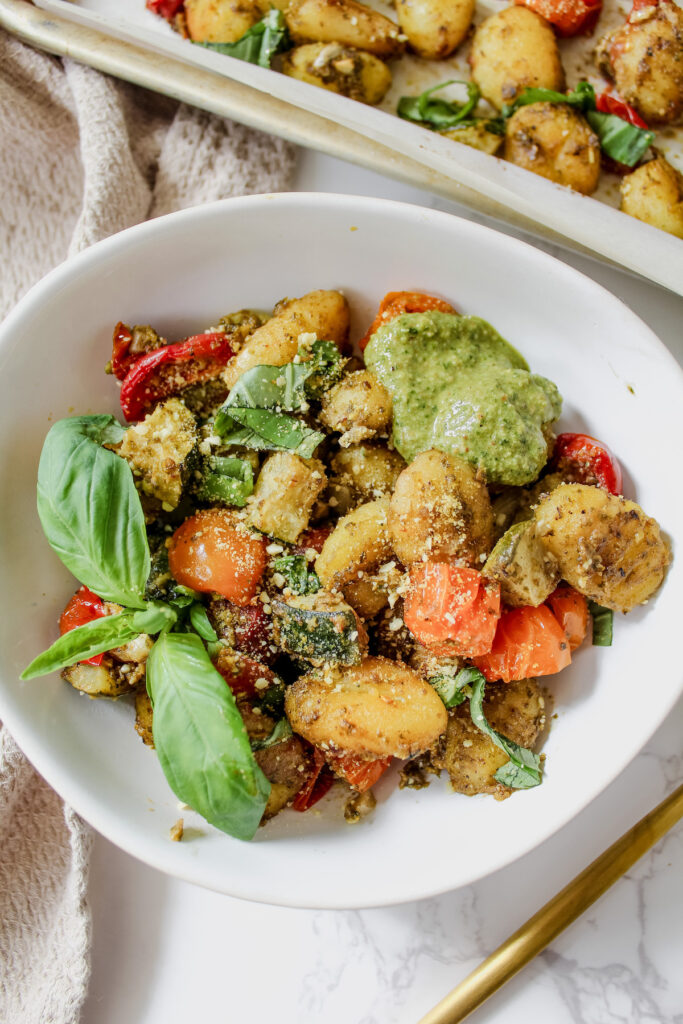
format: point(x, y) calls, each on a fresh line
point(180, 273)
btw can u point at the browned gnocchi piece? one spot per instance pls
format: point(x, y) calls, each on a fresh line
point(358, 543)
point(435, 28)
point(653, 193)
point(514, 50)
point(439, 509)
point(345, 22)
point(214, 21)
point(285, 493)
point(324, 313)
point(556, 142)
point(645, 60)
point(606, 547)
point(342, 69)
point(368, 471)
point(375, 709)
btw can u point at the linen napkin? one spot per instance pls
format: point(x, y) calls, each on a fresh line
point(81, 157)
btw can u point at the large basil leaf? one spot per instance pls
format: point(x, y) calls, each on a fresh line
point(264, 430)
point(200, 737)
point(90, 510)
point(226, 480)
point(269, 387)
point(260, 43)
point(84, 642)
point(99, 636)
point(523, 770)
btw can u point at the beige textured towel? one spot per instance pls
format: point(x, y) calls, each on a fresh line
point(83, 156)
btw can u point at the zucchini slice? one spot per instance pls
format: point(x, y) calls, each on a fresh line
point(526, 572)
point(320, 628)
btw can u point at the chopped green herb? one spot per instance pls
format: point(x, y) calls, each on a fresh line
point(603, 620)
point(260, 43)
point(523, 770)
point(449, 689)
point(282, 731)
point(299, 578)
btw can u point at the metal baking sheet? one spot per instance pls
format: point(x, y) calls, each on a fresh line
point(412, 153)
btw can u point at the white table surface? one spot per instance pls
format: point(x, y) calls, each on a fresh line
point(167, 952)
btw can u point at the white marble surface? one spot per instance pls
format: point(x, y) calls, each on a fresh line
point(167, 952)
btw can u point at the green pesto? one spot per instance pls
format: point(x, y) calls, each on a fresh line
point(456, 385)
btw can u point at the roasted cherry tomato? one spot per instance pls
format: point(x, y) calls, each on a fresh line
point(608, 104)
point(319, 781)
point(452, 610)
point(83, 607)
point(397, 303)
point(568, 17)
point(212, 554)
point(571, 611)
point(244, 675)
point(528, 642)
point(166, 8)
point(589, 461)
point(358, 773)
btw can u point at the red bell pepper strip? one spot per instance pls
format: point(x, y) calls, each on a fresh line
point(83, 607)
point(170, 369)
point(568, 17)
point(166, 8)
point(589, 460)
point(358, 773)
point(608, 104)
point(317, 784)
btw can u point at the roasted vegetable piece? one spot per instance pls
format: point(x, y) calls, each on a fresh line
point(248, 629)
point(451, 609)
point(378, 708)
point(556, 142)
point(162, 451)
point(644, 58)
point(568, 17)
point(245, 676)
point(358, 543)
point(435, 28)
point(143, 716)
point(321, 628)
point(528, 642)
point(346, 22)
point(285, 493)
point(286, 766)
point(571, 611)
point(104, 680)
point(128, 345)
point(213, 552)
point(606, 547)
point(359, 773)
point(526, 571)
point(83, 607)
point(397, 303)
point(586, 460)
point(517, 710)
point(318, 781)
point(514, 50)
point(341, 69)
point(170, 369)
point(653, 193)
point(440, 509)
point(323, 313)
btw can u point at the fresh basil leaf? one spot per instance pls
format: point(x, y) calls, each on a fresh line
point(621, 141)
point(603, 622)
point(583, 97)
point(200, 623)
point(523, 770)
point(90, 510)
point(84, 642)
point(260, 43)
point(448, 688)
point(438, 113)
point(226, 480)
point(325, 368)
point(296, 572)
point(200, 737)
point(281, 732)
point(269, 387)
point(155, 617)
point(264, 430)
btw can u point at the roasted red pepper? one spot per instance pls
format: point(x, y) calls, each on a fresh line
point(166, 8)
point(591, 461)
point(83, 607)
point(608, 104)
point(397, 303)
point(317, 784)
point(242, 674)
point(170, 369)
point(358, 773)
point(568, 17)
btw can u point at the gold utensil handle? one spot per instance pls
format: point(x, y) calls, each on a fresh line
point(540, 930)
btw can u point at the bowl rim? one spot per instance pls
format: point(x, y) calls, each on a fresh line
point(127, 836)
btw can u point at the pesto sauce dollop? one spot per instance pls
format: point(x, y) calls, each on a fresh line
point(457, 386)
